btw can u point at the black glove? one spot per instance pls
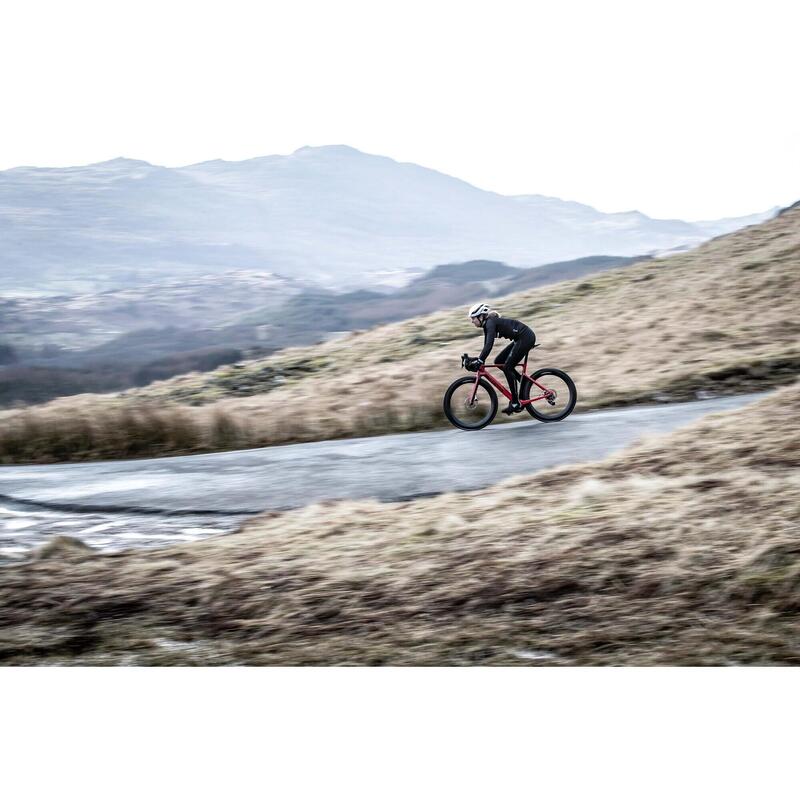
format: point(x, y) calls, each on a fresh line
point(474, 364)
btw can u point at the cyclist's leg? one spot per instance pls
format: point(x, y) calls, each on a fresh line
point(503, 354)
point(519, 350)
point(502, 358)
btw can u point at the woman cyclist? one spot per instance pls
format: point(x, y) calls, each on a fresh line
point(522, 340)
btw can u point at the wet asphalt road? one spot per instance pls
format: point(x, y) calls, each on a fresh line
point(384, 467)
point(148, 498)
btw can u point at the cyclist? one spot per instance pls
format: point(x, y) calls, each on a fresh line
point(522, 340)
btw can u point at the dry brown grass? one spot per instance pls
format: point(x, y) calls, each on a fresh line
point(683, 550)
point(722, 318)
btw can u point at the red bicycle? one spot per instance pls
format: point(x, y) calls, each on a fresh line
point(471, 403)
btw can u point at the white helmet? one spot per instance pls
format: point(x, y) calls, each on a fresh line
point(478, 309)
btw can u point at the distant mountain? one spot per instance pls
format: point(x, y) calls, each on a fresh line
point(333, 215)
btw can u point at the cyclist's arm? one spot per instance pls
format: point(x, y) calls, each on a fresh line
point(489, 332)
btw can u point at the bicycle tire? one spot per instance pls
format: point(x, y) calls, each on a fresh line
point(454, 420)
point(525, 391)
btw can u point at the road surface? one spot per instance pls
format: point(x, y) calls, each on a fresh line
point(153, 501)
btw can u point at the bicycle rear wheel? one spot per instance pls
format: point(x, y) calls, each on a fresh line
point(560, 395)
point(469, 411)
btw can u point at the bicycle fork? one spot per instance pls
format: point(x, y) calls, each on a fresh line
point(474, 389)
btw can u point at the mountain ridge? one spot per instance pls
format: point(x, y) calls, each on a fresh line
point(347, 149)
point(332, 215)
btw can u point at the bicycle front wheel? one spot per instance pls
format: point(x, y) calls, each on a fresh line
point(556, 392)
point(469, 407)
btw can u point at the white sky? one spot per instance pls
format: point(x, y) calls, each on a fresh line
point(684, 109)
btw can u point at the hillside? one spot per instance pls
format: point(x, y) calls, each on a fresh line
point(721, 318)
point(682, 551)
point(333, 215)
point(53, 346)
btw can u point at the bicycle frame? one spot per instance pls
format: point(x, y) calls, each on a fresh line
point(484, 373)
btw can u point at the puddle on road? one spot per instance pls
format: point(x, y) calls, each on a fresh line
point(24, 528)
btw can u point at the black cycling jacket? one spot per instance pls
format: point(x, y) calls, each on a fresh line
point(504, 328)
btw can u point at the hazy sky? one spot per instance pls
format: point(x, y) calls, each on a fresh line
point(678, 109)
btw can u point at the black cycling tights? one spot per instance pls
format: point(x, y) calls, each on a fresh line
point(510, 356)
